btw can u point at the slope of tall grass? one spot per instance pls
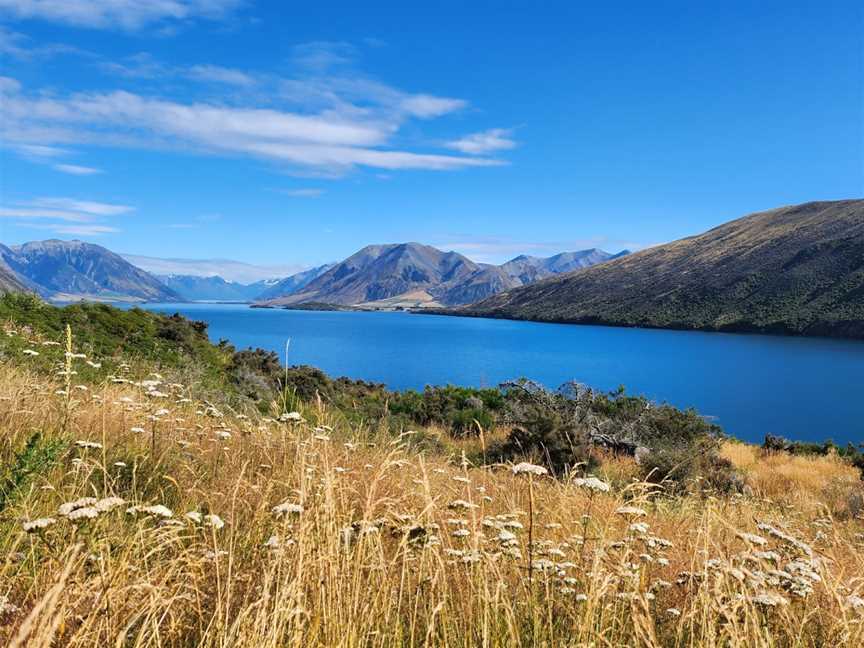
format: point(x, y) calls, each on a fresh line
point(138, 512)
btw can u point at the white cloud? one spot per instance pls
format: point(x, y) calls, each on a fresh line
point(83, 206)
point(226, 268)
point(218, 74)
point(323, 55)
point(489, 141)
point(22, 47)
point(28, 213)
point(426, 106)
point(82, 230)
point(40, 151)
point(117, 14)
point(335, 138)
point(75, 169)
point(144, 65)
point(73, 216)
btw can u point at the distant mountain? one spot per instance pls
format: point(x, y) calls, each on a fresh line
point(293, 284)
point(382, 271)
point(9, 281)
point(796, 270)
point(195, 288)
point(229, 269)
point(412, 274)
point(72, 270)
point(529, 269)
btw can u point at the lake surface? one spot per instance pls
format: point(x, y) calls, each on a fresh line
point(801, 388)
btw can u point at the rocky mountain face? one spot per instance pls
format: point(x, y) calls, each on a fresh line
point(292, 284)
point(528, 269)
point(216, 289)
point(793, 270)
point(72, 270)
point(381, 273)
point(9, 281)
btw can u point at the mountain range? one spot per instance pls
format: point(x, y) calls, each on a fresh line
point(215, 288)
point(792, 270)
point(74, 270)
point(416, 275)
point(378, 276)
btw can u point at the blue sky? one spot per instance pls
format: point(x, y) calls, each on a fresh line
point(293, 134)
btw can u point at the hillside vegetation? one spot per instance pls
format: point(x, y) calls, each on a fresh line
point(157, 490)
point(793, 270)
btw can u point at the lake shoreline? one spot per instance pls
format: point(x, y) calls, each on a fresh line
point(734, 329)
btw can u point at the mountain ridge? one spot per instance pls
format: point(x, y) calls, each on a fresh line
point(73, 270)
point(797, 269)
point(377, 275)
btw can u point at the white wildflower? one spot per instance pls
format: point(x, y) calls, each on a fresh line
point(38, 524)
point(66, 508)
point(526, 468)
point(592, 483)
point(638, 527)
point(769, 599)
point(108, 504)
point(92, 445)
point(461, 504)
point(287, 508)
point(84, 513)
point(214, 521)
point(631, 510)
point(752, 538)
point(157, 510)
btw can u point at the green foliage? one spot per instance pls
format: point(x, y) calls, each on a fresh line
point(551, 428)
point(674, 447)
point(461, 409)
point(37, 456)
point(113, 334)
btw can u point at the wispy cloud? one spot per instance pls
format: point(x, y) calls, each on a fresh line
point(228, 269)
point(83, 206)
point(335, 139)
point(218, 74)
point(489, 141)
point(144, 65)
point(28, 213)
point(71, 215)
point(117, 14)
point(22, 47)
point(323, 55)
point(302, 193)
point(79, 230)
point(42, 154)
point(75, 169)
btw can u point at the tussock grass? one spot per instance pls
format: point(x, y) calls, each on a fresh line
point(336, 534)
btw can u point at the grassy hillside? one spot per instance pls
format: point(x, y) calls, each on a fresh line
point(139, 509)
point(794, 270)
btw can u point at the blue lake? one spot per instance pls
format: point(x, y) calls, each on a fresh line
point(802, 388)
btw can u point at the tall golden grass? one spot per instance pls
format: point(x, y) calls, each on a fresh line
point(337, 535)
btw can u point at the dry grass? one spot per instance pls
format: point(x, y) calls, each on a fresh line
point(383, 554)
